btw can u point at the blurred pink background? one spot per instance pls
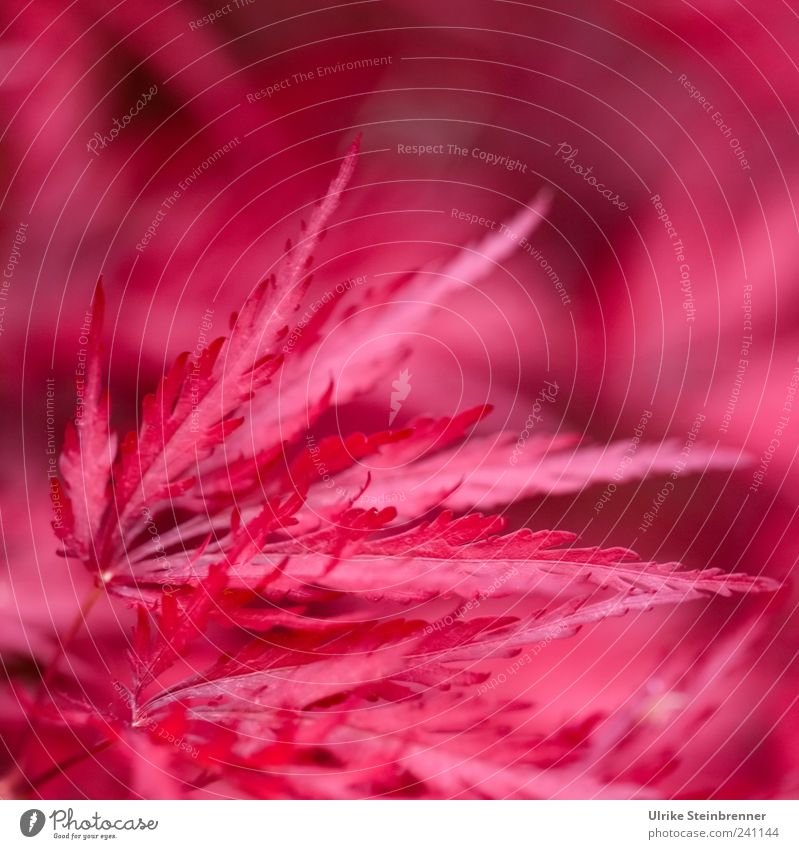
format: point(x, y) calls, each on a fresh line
point(683, 306)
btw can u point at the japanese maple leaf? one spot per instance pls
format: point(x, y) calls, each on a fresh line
point(302, 601)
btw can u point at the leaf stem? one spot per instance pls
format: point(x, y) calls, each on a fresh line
point(60, 768)
point(15, 775)
point(74, 629)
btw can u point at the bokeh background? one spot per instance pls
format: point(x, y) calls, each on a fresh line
point(677, 300)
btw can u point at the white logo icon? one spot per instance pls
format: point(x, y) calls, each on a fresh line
point(402, 388)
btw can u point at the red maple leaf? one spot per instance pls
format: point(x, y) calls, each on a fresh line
point(274, 638)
